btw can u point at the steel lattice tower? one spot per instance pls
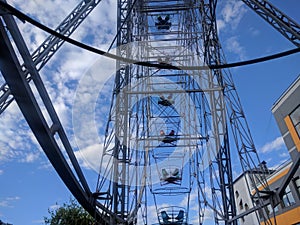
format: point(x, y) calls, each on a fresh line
point(205, 107)
point(187, 36)
point(167, 135)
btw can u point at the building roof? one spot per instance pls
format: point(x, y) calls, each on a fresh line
point(269, 173)
point(286, 93)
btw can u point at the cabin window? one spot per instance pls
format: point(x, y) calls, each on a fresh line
point(295, 117)
point(288, 198)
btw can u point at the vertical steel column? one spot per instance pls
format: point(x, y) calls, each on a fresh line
point(120, 164)
point(212, 56)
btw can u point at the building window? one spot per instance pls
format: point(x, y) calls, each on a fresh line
point(276, 209)
point(270, 210)
point(288, 198)
point(295, 117)
point(241, 204)
point(260, 210)
point(297, 185)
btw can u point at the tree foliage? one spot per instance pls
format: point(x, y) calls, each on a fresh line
point(70, 213)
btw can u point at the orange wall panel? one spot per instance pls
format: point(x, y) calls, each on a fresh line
point(293, 132)
point(288, 218)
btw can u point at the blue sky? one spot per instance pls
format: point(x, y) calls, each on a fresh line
point(29, 185)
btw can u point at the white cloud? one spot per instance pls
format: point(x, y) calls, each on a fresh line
point(231, 14)
point(208, 216)
point(221, 24)
point(16, 140)
point(152, 212)
point(90, 156)
point(48, 12)
point(274, 145)
point(192, 198)
point(254, 32)
point(60, 75)
point(38, 221)
point(284, 155)
point(9, 201)
point(54, 207)
point(233, 45)
point(30, 157)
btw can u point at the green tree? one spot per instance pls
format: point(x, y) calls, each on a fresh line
point(70, 213)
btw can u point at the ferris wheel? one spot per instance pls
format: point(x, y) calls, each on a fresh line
point(166, 156)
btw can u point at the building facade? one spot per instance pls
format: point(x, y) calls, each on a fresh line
point(243, 200)
point(286, 111)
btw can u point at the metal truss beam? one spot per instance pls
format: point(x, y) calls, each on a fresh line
point(278, 194)
point(46, 134)
point(243, 140)
point(121, 186)
point(28, 66)
point(281, 22)
point(50, 46)
point(242, 137)
point(12, 72)
point(212, 56)
point(223, 91)
point(117, 182)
